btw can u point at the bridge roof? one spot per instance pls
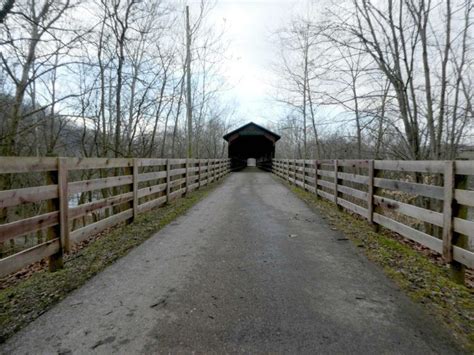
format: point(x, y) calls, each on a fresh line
point(251, 128)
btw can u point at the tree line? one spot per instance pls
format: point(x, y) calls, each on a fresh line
point(377, 79)
point(107, 78)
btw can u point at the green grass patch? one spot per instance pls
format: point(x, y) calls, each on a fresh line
point(421, 278)
point(25, 301)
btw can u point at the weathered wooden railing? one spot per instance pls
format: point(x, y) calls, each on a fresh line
point(72, 199)
point(425, 201)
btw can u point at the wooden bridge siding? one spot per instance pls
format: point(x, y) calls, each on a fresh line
point(184, 175)
point(319, 177)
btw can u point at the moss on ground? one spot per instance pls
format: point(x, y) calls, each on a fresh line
point(421, 278)
point(25, 301)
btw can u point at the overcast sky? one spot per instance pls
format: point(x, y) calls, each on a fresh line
point(250, 24)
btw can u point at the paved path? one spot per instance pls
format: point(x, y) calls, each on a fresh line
point(249, 269)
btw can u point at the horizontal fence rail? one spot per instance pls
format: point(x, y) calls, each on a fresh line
point(429, 202)
point(47, 205)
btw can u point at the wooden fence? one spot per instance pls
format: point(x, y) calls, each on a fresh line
point(425, 201)
point(63, 201)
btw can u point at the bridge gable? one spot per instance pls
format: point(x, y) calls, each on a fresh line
point(251, 129)
point(251, 141)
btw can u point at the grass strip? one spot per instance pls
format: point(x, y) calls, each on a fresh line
point(27, 300)
point(421, 278)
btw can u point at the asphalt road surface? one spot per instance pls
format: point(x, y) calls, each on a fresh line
point(249, 269)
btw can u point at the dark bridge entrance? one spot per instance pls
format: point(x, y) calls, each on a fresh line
point(251, 141)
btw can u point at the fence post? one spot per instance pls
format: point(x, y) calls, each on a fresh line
point(377, 192)
point(453, 210)
point(214, 170)
point(55, 261)
point(289, 171)
point(168, 180)
point(186, 177)
point(316, 163)
point(199, 173)
point(211, 170)
point(135, 189)
point(448, 210)
point(304, 174)
point(208, 180)
point(336, 169)
point(209, 166)
point(294, 172)
point(63, 203)
point(370, 193)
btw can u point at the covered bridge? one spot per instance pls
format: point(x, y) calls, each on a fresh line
point(251, 141)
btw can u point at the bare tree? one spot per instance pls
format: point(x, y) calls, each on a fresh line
point(417, 49)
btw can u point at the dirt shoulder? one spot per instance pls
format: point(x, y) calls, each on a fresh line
point(415, 270)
